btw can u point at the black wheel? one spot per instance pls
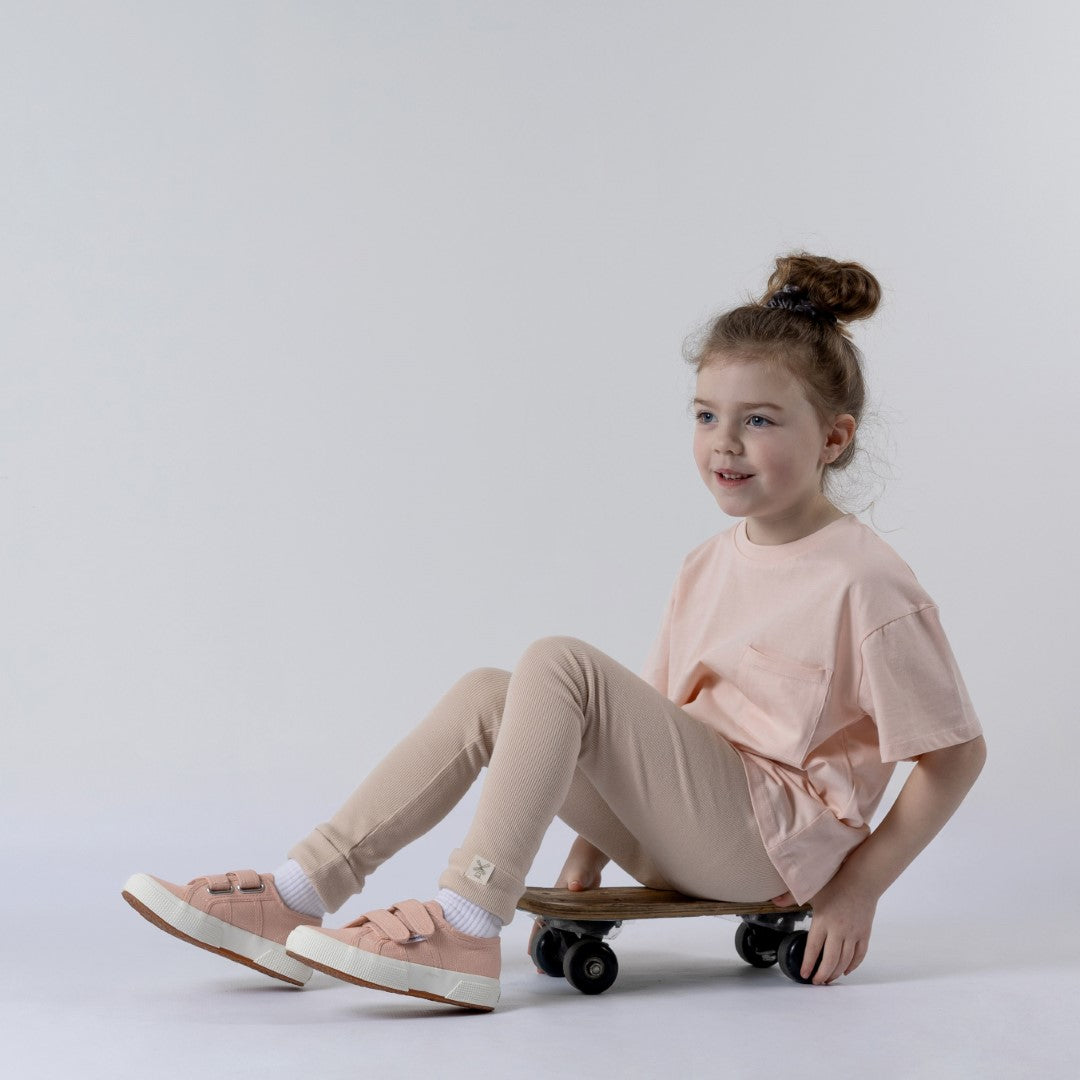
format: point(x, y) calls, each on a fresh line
point(547, 950)
point(590, 966)
point(790, 955)
point(756, 945)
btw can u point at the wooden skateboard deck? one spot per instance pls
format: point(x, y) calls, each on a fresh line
point(567, 937)
point(636, 902)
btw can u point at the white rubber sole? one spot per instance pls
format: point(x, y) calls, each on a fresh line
point(155, 903)
point(343, 961)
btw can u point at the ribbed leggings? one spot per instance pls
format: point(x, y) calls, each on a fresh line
point(569, 733)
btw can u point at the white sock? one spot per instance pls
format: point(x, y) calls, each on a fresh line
point(297, 891)
point(468, 917)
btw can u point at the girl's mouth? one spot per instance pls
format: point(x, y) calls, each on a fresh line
point(732, 483)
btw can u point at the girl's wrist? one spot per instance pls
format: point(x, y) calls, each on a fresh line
point(583, 849)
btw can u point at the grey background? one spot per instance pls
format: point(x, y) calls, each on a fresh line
point(340, 354)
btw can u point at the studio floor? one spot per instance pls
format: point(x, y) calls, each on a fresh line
point(93, 991)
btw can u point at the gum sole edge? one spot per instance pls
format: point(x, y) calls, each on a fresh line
point(388, 989)
point(159, 922)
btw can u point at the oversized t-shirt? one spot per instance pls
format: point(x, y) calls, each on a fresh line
point(823, 662)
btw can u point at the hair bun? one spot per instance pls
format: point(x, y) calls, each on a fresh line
point(834, 290)
point(797, 298)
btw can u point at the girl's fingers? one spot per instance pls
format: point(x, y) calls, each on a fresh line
point(846, 953)
point(829, 956)
point(811, 952)
point(857, 959)
point(830, 949)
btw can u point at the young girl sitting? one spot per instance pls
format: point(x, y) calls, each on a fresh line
point(797, 661)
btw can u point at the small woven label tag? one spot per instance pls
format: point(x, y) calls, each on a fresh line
point(481, 870)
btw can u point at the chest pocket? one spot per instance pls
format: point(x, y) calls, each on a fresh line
point(782, 700)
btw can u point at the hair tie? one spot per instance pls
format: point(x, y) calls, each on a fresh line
point(794, 298)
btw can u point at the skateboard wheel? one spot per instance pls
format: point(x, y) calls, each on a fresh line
point(546, 949)
point(590, 966)
point(790, 955)
point(757, 945)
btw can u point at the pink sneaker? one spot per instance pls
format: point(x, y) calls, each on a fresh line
point(409, 948)
point(239, 915)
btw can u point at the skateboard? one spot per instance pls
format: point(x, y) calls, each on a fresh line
point(567, 939)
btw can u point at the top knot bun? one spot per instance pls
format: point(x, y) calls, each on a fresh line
point(846, 290)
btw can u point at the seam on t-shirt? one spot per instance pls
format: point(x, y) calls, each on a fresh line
point(887, 622)
point(907, 614)
point(783, 841)
point(850, 774)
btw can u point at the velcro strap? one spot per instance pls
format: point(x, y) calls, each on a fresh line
point(219, 883)
point(389, 924)
point(415, 916)
point(403, 920)
point(248, 879)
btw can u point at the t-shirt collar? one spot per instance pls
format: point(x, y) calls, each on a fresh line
point(777, 552)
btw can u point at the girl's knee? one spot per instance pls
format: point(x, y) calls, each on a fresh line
point(558, 648)
point(482, 693)
point(486, 681)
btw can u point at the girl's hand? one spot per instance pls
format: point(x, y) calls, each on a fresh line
point(839, 930)
point(577, 876)
point(582, 867)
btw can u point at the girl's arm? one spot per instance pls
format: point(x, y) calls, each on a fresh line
point(844, 908)
point(930, 796)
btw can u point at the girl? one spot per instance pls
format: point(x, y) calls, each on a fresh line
point(798, 660)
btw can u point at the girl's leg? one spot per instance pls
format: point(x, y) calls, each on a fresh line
point(248, 917)
point(411, 790)
point(423, 777)
point(586, 812)
point(676, 785)
point(578, 732)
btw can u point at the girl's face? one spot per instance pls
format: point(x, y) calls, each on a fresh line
point(748, 419)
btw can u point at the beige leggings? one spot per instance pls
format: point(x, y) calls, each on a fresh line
point(573, 733)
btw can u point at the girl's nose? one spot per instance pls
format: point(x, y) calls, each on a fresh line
point(726, 442)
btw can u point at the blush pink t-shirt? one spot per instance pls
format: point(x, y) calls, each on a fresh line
point(823, 662)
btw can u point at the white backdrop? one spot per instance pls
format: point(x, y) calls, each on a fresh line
point(340, 353)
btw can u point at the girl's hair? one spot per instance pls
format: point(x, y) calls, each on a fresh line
point(815, 350)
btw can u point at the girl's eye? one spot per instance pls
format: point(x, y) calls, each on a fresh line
point(705, 412)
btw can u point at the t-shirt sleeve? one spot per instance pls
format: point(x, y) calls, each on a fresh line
point(912, 688)
point(655, 669)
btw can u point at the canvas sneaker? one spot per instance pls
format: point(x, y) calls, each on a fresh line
point(239, 915)
point(408, 948)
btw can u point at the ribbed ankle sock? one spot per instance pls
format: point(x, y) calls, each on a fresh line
point(297, 891)
point(468, 917)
